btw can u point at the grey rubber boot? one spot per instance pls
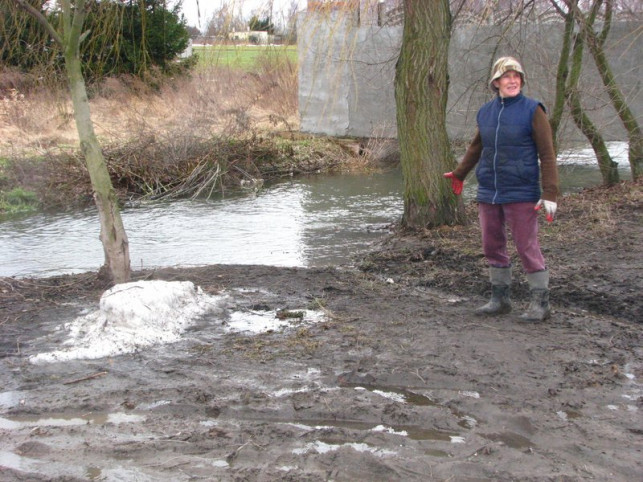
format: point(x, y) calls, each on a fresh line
point(538, 309)
point(499, 304)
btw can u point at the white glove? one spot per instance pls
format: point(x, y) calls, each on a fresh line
point(550, 208)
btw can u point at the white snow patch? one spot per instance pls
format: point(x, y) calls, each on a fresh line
point(132, 316)
point(288, 391)
point(323, 448)
point(396, 397)
point(208, 423)
point(470, 394)
point(153, 405)
point(383, 428)
point(255, 322)
point(469, 421)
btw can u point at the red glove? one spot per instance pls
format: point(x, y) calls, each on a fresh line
point(456, 184)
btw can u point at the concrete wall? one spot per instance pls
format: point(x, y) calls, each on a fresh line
point(346, 74)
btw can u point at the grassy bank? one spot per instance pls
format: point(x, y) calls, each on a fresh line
point(221, 128)
point(184, 166)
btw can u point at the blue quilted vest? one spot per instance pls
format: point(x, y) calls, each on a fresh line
point(508, 170)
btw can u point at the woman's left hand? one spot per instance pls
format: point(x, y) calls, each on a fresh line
point(550, 208)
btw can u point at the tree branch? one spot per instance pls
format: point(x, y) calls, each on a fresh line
point(42, 20)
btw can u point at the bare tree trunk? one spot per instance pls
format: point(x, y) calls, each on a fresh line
point(562, 75)
point(595, 44)
point(421, 86)
point(112, 232)
point(607, 166)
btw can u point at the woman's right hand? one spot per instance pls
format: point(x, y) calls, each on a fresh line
point(456, 184)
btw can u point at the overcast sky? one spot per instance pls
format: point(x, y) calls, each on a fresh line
point(248, 7)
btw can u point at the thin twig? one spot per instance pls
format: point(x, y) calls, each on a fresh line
point(88, 377)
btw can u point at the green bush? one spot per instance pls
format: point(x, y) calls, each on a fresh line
point(125, 38)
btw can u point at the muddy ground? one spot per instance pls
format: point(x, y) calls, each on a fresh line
point(399, 382)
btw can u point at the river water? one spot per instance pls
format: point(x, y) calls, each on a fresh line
point(312, 221)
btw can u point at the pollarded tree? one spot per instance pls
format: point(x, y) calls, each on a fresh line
point(596, 45)
point(567, 89)
point(421, 88)
point(68, 36)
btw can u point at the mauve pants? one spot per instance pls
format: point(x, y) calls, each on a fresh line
point(522, 221)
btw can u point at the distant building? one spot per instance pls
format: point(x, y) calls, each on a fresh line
point(250, 37)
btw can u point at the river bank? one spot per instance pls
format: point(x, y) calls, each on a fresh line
point(398, 381)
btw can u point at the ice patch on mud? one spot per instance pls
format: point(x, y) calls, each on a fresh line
point(469, 393)
point(255, 322)
point(133, 316)
point(323, 448)
point(391, 430)
point(396, 397)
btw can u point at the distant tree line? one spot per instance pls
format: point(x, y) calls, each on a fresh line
point(227, 19)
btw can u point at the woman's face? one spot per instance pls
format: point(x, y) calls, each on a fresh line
point(509, 84)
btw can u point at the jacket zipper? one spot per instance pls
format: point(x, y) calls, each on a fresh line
point(495, 154)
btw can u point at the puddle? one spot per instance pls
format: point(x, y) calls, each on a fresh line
point(510, 439)
point(411, 431)
point(93, 473)
point(321, 447)
point(254, 322)
point(28, 465)
point(436, 453)
point(12, 399)
point(394, 393)
point(62, 420)
point(407, 396)
point(49, 470)
point(569, 414)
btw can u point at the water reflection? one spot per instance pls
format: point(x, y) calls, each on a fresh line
point(321, 220)
point(303, 222)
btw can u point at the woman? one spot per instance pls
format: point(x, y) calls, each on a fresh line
point(513, 134)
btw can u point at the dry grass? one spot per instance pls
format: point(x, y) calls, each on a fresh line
point(215, 101)
point(195, 136)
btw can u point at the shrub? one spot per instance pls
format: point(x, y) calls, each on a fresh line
point(125, 38)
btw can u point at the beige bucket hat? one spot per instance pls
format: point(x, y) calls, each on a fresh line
point(502, 65)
